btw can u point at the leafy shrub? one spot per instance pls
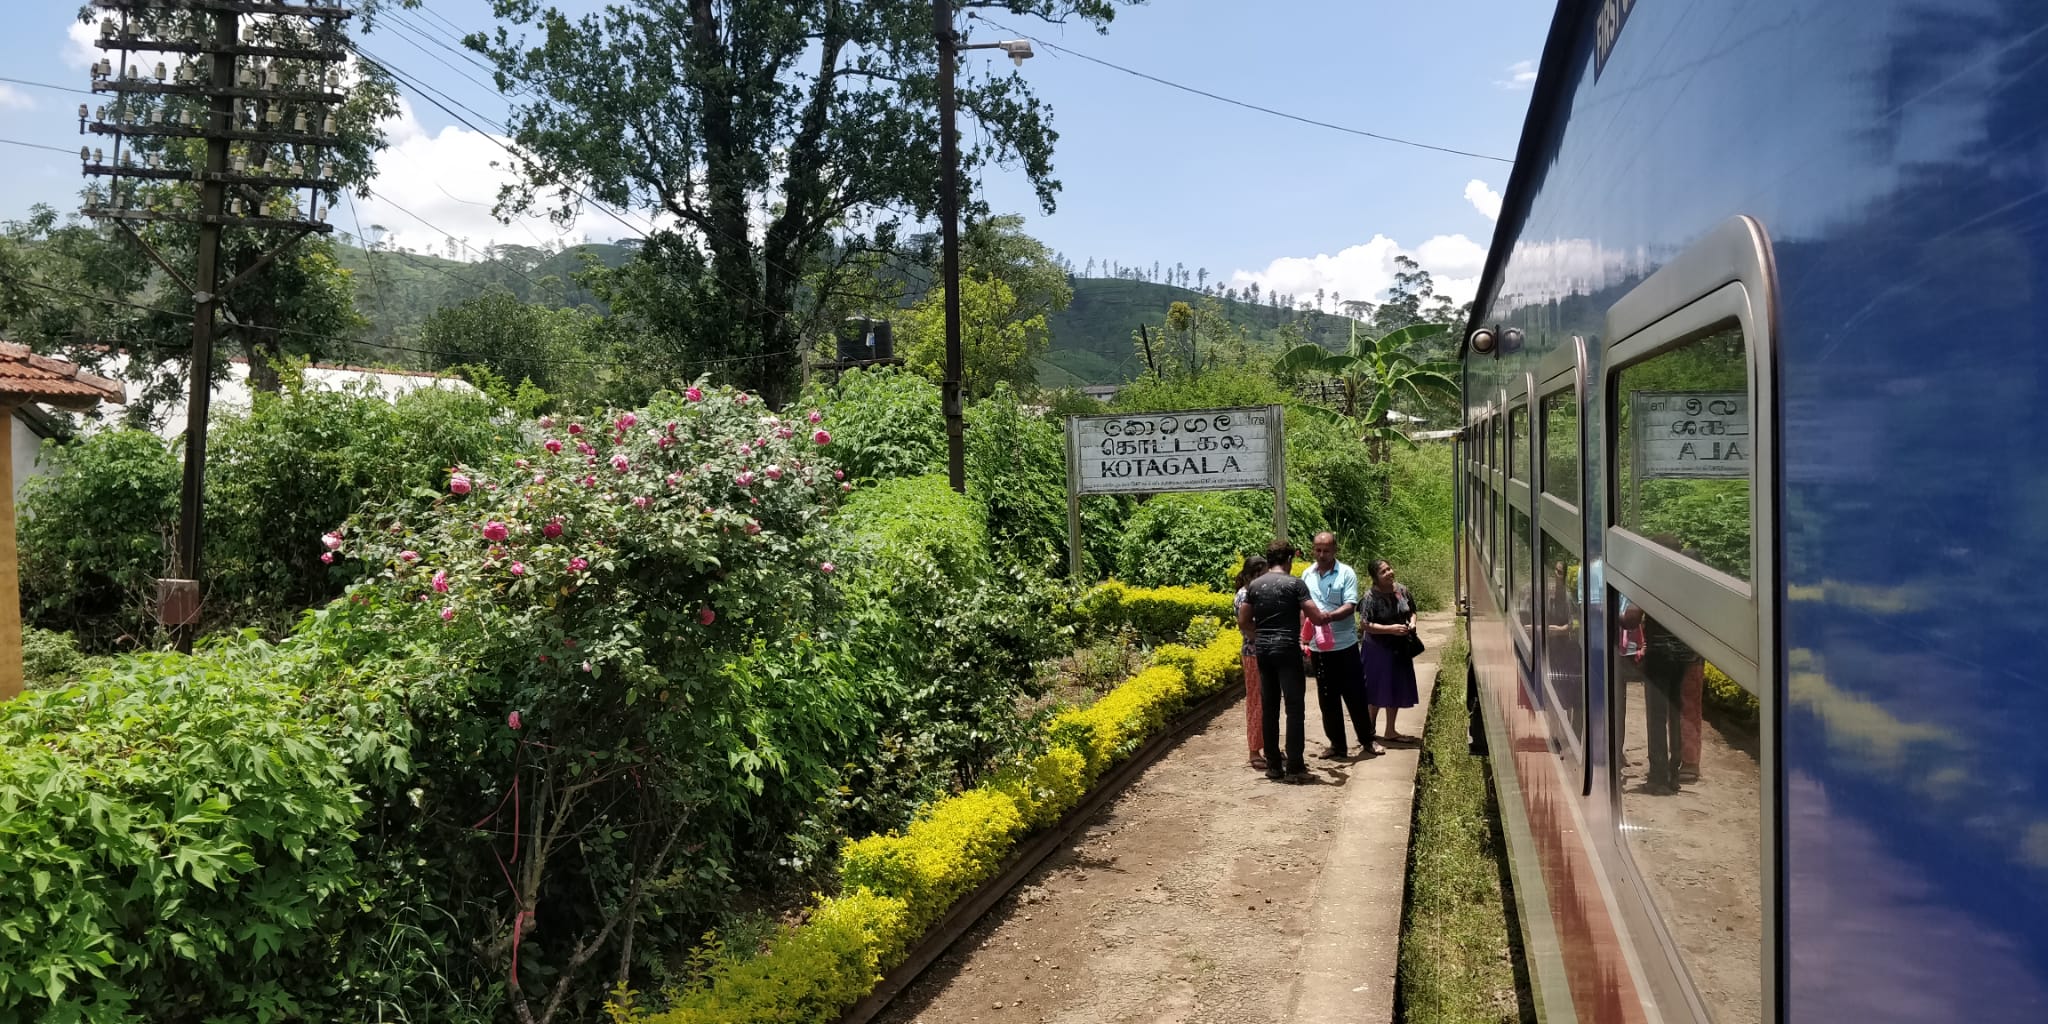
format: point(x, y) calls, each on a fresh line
point(49, 659)
point(1327, 457)
point(885, 423)
point(1189, 540)
point(1157, 614)
point(94, 535)
point(1414, 530)
point(953, 846)
point(1728, 695)
point(618, 619)
point(175, 840)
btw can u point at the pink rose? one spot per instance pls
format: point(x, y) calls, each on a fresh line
point(753, 527)
point(826, 568)
point(459, 483)
point(674, 479)
point(513, 721)
point(590, 481)
point(547, 422)
point(821, 437)
point(816, 416)
point(619, 462)
point(408, 557)
point(495, 531)
point(522, 464)
point(774, 472)
point(740, 399)
point(838, 474)
point(585, 448)
point(627, 420)
point(641, 501)
point(327, 556)
point(575, 428)
point(784, 433)
point(746, 449)
point(745, 479)
point(552, 530)
point(670, 426)
point(846, 487)
point(694, 394)
point(440, 581)
point(706, 616)
point(447, 614)
point(332, 540)
point(578, 564)
point(519, 568)
point(540, 478)
point(553, 445)
point(586, 665)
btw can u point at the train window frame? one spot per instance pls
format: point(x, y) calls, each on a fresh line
point(1516, 494)
point(1563, 371)
point(1728, 275)
point(1497, 510)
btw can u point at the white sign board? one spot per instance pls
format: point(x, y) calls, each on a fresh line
point(1199, 450)
point(1691, 433)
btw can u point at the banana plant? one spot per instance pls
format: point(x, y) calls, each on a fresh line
point(1372, 373)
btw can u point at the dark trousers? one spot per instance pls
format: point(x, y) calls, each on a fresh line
point(1340, 683)
point(1280, 679)
point(1662, 682)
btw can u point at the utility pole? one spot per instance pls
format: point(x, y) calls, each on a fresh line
point(248, 115)
point(949, 225)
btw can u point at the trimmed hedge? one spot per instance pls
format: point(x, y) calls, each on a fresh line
point(898, 884)
point(1155, 613)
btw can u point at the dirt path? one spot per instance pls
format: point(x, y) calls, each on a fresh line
point(1204, 893)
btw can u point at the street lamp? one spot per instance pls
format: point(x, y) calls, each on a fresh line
point(949, 224)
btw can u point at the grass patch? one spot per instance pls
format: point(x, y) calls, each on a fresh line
point(1457, 949)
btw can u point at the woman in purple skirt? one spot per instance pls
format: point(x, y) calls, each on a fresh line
point(1389, 614)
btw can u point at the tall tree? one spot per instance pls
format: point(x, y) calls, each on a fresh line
point(763, 128)
point(1373, 373)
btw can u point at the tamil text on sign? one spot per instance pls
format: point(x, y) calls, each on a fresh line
point(1201, 450)
point(1691, 433)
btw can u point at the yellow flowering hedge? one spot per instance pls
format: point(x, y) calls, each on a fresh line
point(897, 885)
point(1729, 695)
point(1156, 613)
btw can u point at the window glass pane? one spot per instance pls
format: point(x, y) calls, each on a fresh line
point(1564, 649)
point(1522, 597)
point(1561, 446)
point(1518, 442)
point(1683, 449)
point(1692, 804)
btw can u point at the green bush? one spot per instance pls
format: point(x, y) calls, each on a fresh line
point(1190, 540)
point(886, 423)
point(1157, 614)
point(94, 534)
point(1327, 457)
point(49, 659)
point(176, 841)
point(1414, 531)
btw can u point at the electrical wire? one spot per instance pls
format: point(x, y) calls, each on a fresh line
point(39, 145)
point(1048, 44)
point(47, 85)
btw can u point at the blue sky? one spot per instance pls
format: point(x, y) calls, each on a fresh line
point(1150, 173)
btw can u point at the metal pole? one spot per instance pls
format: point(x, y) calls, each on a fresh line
point(949, 227)
point(1076, 545)
point(200, 366)
point(1276, 466)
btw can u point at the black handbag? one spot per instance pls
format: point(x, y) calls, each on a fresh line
point(1410, 644)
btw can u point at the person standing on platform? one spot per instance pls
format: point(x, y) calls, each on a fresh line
point(1340, 678)
point(1273, 607)
point(1390, 659)
point(1254, 567)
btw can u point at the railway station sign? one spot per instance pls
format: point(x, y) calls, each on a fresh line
point(1691, 434)
point(1191, 450)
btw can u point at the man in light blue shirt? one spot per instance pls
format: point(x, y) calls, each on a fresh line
point(1340, 679)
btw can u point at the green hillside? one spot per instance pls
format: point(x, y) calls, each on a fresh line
point(1091, 340)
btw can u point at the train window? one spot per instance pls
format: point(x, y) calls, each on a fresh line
point(1561, 446)
point(1522, 595)
point(1518, 442)
point(1564, 653)
point(1682, 449)
point(1692, 803)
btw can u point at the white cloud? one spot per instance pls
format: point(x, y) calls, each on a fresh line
point(80, 52)
point(1521, 75)
point(1484, 198)
point(1366, 271)
point(450, 179)
point(14, 99)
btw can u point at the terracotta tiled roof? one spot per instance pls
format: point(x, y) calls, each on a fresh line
point(27, 377)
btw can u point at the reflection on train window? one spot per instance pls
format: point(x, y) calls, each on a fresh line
point(1682, 450)
point(1518, 442)
point(1561, 446)
point(1692, 806)
point(1564, 649)
point(1522, 595)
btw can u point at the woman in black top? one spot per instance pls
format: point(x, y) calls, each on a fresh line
point(1270, 616)
point(1389, 613)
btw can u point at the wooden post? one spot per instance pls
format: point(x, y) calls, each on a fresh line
point(10, 571)
point(1276, 466)
point(1075, 560)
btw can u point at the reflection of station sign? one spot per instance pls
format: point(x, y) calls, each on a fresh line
point(1685, 434)
point(1198, 450)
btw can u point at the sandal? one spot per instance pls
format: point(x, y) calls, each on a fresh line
point(1377, 750)
point(1258, 762)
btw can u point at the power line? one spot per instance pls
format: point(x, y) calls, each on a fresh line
point(38, 145)
point(46, 85)
point(1239, 103)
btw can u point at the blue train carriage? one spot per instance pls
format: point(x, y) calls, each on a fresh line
point(1751, 524)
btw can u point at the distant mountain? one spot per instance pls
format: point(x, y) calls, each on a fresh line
point(1091, 339)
